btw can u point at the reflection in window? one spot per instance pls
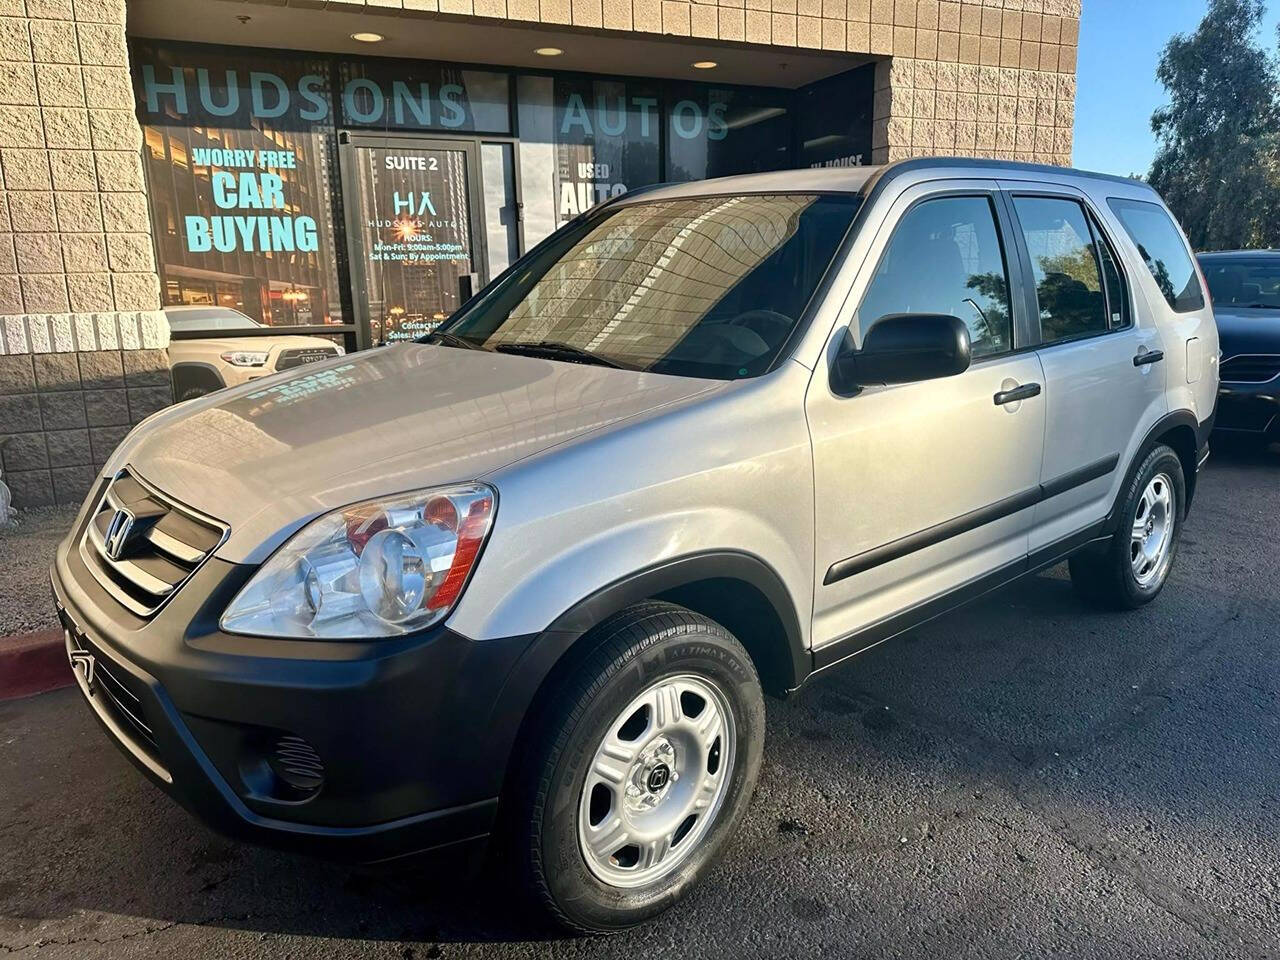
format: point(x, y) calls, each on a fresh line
point(945, 258)
point(1163, 251)
point(1065, 266)
point(706, 287)
point(1117, 296)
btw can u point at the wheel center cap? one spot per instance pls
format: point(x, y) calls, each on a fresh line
point(651, 777)
point(659, 777)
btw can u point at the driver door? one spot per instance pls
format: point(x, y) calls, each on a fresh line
point(926, 488)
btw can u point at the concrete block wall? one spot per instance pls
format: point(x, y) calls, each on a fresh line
point(82, 340)
point(992, 78)
point(72, 394)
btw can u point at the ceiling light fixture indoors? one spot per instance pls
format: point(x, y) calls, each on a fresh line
point(704, 65)
point(368, 37)
point(548, 51)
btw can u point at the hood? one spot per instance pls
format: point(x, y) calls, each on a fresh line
point(1247, 331)
point(270, 455)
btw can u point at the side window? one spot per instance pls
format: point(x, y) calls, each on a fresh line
point(1163, 251)
point(1065, 267)
point(946, 257)
point(1117, 293)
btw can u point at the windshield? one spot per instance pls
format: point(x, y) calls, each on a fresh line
point(1246, 282)
point(700, 287)
point(210, 318)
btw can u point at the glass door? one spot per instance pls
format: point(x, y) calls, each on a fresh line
point(416, 239)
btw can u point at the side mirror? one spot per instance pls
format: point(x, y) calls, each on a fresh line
point(905, 348)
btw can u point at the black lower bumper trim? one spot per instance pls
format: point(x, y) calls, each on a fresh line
point(414, 735)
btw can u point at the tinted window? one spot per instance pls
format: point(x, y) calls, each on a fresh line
point(1117, 294)
point(719, 131)
point(1163, 251)
point(945, 257)
point(1245, 282)
point(705, 287)
point(1064, 266)
point(827, 137)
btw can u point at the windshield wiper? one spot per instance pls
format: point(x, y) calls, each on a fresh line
point(555, 350)
point(444, 338)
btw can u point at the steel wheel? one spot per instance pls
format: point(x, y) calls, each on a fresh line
point(1151, 538)
point(656, 782)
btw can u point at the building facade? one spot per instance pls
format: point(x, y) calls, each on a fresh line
point(353, 168)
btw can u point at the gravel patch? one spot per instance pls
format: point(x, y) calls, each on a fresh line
point(25, 554)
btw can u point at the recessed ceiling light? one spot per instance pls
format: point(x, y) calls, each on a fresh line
point(548, 51)
point(366, 37)
point(704, 65)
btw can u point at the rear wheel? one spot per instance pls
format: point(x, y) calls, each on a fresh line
point(642, 765)
point(1131, 568)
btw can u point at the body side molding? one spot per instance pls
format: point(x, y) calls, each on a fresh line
point(843, 569)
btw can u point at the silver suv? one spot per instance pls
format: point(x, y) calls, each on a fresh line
point(530, 576)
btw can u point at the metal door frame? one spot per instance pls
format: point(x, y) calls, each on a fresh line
point(350, 141)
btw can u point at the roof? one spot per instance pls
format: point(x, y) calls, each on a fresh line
point(863, 180)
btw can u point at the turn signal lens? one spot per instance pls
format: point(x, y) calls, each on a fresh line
point(377, 569)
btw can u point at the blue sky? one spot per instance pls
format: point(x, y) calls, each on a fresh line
point(1120, 44)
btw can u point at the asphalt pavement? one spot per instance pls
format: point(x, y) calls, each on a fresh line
point(1025, 778)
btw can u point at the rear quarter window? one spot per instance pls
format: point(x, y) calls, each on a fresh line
point(1163, 251)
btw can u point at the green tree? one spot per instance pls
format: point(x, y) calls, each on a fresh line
point(1218, 165)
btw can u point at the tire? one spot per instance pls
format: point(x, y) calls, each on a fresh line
point(1124, 573)
point(192, 392)
point(564, 804)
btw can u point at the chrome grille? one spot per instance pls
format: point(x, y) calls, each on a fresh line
point(1250, 368)
point(143, 562)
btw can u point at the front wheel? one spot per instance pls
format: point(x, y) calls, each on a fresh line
point(1131, 569)
point(642, 765)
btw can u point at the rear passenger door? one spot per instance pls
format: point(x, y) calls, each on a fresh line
point(1104, 377)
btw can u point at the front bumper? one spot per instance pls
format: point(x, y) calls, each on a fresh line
point(412, 736)
point(1252, 408)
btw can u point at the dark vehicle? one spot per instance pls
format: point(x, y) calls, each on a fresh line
point(1246, 301)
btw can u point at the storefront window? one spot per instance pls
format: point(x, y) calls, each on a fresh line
point(584, 140)
point(839, 137)
point(239, 150)
point(416, 95)
point(721, 131)
point(286, 185)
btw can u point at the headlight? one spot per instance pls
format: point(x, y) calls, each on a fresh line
point(245, 358)
point(377, 569)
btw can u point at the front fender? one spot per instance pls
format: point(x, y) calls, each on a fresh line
point(522, 586)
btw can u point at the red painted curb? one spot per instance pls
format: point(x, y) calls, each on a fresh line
point(33, 663)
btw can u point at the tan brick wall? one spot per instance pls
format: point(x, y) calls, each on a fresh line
point(81, 335)
point(992, 78)
point(74, 231)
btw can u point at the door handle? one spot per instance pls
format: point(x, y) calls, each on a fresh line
point(1150, 356)
point(1024, 392)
